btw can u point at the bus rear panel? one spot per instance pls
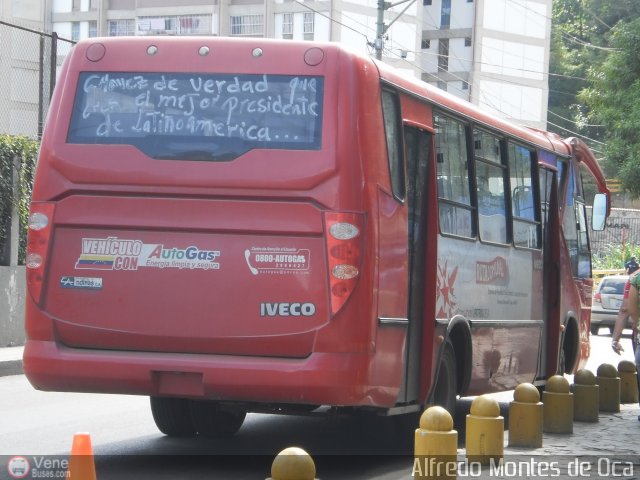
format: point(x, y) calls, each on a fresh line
point(195, 231)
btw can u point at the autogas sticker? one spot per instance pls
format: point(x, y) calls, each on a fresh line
point(278, 260)
point(115, 253)
point(89, 283)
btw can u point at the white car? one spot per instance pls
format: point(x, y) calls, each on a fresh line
point(606, 302)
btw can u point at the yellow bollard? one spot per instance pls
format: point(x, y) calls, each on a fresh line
point(586, 397)
point(609, 382)
point(525, 417)
point(485, 431)
point(436, 446)
point(293, 463)
point(558, 406)
point(628, 382)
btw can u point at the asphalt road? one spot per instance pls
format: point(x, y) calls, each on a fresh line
point(128, 445)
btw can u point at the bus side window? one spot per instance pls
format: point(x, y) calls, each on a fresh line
point(455, 211)
point(393, 137)
point(490, 185)
point(526, 219)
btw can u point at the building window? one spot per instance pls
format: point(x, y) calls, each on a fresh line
point(119, 28)
point(194, 24)
point(175, 25)
point(426, 2)
point(309, 25)
point(75, 6)
point(445, 14)
point(467, 41)
point(465, 85)
point(93, 29)
point(247, 25)
point(287, 25)
point(93, 4)
point(75, 31)
point(426, 44)
point(443, 55)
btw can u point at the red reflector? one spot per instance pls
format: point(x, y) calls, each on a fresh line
point(597, 298)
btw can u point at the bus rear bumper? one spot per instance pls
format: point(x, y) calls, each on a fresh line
point(320, 379)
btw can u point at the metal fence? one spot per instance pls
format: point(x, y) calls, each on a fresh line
point(29, 63)
point(622, 231)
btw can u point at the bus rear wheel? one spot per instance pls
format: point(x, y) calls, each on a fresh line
point(445, 388)
point(172, 416)
point(211, 421)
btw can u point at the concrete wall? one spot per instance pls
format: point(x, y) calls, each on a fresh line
point(12, 292)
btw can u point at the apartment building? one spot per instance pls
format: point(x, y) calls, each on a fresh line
point(351, 22)
point(494, 53)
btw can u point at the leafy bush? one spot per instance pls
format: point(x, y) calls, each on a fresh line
point(615, 256)
point(24, 151)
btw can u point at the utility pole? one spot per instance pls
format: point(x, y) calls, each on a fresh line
point(381, 28)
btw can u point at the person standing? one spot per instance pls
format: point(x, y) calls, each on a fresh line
point(631, 308)
point(631, 266)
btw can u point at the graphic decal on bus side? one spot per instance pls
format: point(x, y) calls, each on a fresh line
point(445, 297)
point(277, 260)
point(115, 253)
point(495, 272)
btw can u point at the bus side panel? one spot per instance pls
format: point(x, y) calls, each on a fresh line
point(493, 288)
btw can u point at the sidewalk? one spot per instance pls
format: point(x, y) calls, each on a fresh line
point(10, 361)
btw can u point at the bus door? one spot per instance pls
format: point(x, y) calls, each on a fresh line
point(417, 153)
point(551, 266)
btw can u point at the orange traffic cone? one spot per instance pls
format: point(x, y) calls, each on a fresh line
point(81, 463)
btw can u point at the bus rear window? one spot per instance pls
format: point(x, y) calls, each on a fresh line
point(193, 116)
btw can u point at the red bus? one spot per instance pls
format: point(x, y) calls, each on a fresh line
point(233, 226)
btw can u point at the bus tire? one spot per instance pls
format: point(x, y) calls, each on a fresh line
point(172, 416)
point(211, 421)
point(445, 388)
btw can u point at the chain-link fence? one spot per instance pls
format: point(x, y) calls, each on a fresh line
point(29, 63)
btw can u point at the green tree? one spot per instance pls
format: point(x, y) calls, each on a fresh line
point(580, 41)
point(614, 101)
point(23, 151)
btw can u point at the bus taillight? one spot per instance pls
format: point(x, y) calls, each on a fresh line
point(344, 244)
point(40, 223)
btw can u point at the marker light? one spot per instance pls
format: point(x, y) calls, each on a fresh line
point(345, 272)
point(38, 221)
point(343, 231)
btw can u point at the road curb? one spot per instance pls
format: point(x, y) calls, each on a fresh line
point(11, 367)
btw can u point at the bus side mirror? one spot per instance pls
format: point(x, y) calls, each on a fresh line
point(599, 215)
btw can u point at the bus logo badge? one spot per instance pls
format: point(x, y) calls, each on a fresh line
point(88, 283)
point(287, 309)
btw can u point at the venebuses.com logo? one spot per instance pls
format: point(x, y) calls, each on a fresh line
point(18, 467)
point(37, 467)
